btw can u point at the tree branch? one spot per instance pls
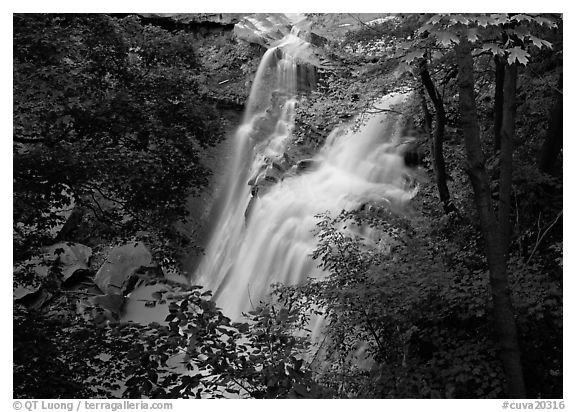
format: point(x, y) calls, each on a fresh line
point(365, 25)
point(539, 238)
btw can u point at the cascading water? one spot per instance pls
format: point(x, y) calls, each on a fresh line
point(267, 237)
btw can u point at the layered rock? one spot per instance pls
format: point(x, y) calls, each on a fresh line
point(195, 18)
point(201, 23)
point(263, 29)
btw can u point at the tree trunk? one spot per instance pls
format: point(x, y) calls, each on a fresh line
point(506, 149)
point(498, 100)
point(438, 139)
point(426, 112)
point(494, 238)
point(553, 142)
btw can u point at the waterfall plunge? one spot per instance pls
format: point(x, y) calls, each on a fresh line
point(247, 252)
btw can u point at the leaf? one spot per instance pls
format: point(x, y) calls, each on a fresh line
point(459, 18)
point(446, 38)
point(498, 18)
point(403, 68)
point(518, 54)
point(484, 21)
point(473, 34)
point(426, 27)
point(544, 21)
point(493, 48)
point(521, 17)
point(410, 57)
point(521, 32)
point(435, 19)
point(437, 55)
point(539, 42)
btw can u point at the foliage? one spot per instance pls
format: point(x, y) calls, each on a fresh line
point(414, 308)
point(196, 353)
point(450, 303)
point(106, 117)
point(421, 337)
point(507, 35)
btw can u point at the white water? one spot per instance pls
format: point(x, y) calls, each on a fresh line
point(273, 242)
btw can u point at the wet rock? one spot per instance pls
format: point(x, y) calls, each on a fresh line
point(256, 175)
point(307, 74)
point(278, 166)
point(121, 263)
point(250, 206)
point(306, 164)
point(266, 179)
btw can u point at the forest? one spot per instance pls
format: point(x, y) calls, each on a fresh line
point(301, 206)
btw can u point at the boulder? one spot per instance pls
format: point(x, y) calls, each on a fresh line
point(120, 264)
point(112, 303)
point(71, 257)
point(33, 297)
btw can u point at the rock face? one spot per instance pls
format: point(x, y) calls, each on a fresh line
point(294, 40)
point(263, 29)
point(266, 29)
point(121, 263)
point(223, 19)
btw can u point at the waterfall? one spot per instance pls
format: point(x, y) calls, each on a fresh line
point(264, 230)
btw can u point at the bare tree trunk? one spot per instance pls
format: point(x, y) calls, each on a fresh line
point(426, 112)
point(498, 100)
point(438, 139)
point(494, 237)
point(506, 149)
point(553, 142)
